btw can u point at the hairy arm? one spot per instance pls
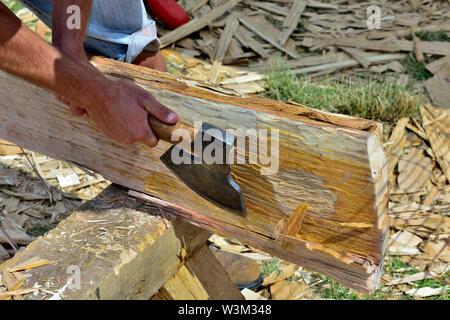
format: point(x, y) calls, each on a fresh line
point(70, 41)
point(117, 107)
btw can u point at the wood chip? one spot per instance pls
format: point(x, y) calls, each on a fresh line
point(357, 55)
point(293, 224)
point(288, 290)
point(3, 253)
point(30, 264)
point(414, 171)
point(223, 44)
point(292, 20)
point(430, 47)
point(244, 36)
point(196, 24)
point(439, 88)
point(411, 278)
point(286, 272)
point(394, 147)
point(404, 239)
point(403, 251)
point(439, 65)
point(437, 249)
point(263, 28)
point(251, 295)
point(426, 292)
point(8, 294)
point(347, 64)
point(436, 123)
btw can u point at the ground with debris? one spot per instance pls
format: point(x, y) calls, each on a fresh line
point(314, 53)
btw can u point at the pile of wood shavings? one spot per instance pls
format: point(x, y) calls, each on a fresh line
point(31, 205)
point(316, 39)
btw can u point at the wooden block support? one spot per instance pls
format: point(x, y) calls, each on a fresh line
point(122, 250)
point(201, 278)
point(183, 285)
point(333, 163)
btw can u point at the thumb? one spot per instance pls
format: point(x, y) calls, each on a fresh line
point(76, 111)
point(158, 110)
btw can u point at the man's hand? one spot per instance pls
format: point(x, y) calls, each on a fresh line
point(70, 41)
point(119, 108)
point(152, 60)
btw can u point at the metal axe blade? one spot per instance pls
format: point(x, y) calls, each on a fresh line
point(211, 181)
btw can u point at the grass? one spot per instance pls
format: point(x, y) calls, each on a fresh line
point(375, 100)
point(384, 101)
point(279, 24)
point(330, 289)
point(394, 264)
point(432, 36)
point(40, 229)
point(267, 267)
point(416, 69)
point(13, 5)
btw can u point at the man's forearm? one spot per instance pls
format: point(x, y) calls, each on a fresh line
point(26, 55)
point(119, 108)
point(70, 40)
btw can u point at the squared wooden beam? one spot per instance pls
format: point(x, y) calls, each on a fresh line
point(333, 163)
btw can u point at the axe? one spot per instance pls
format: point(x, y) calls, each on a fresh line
point(212, 181)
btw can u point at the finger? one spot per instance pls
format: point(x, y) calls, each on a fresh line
point(142, 131)
point(160, 64)
point(158, 110)
point(150, 139)
point(63, 100)
point(77, 112)
point(150, 142)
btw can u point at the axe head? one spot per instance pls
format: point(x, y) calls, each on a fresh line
point(210, 179)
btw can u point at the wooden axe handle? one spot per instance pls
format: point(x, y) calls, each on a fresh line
point(165, 131)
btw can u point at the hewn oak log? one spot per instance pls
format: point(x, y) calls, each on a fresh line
point(120, 248)
point(333, 163)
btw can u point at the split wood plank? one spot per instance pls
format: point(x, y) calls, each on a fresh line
point(415, 170)
point(320, 5)
point(439, 65)
point(269, 6)
point(338, 159)
point(348, 63)
point(357, 55)
point(395, 145)
point(222, 47)
point(264, 29)
point(381, 34)
point(436, 123)
point(196, 24)
point(119, 248)
point(431, 47)
point(439, 87)
point(264, 66)
point(245, 38)
point(292, 20)
point(204, 265)
point(182, 286)
point(192, 6)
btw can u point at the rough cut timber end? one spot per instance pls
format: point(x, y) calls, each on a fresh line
point(121, 249)
point(333, 163)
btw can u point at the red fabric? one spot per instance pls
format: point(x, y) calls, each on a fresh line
point(168, 11)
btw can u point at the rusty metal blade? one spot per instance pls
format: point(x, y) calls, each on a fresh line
point(211, 181)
